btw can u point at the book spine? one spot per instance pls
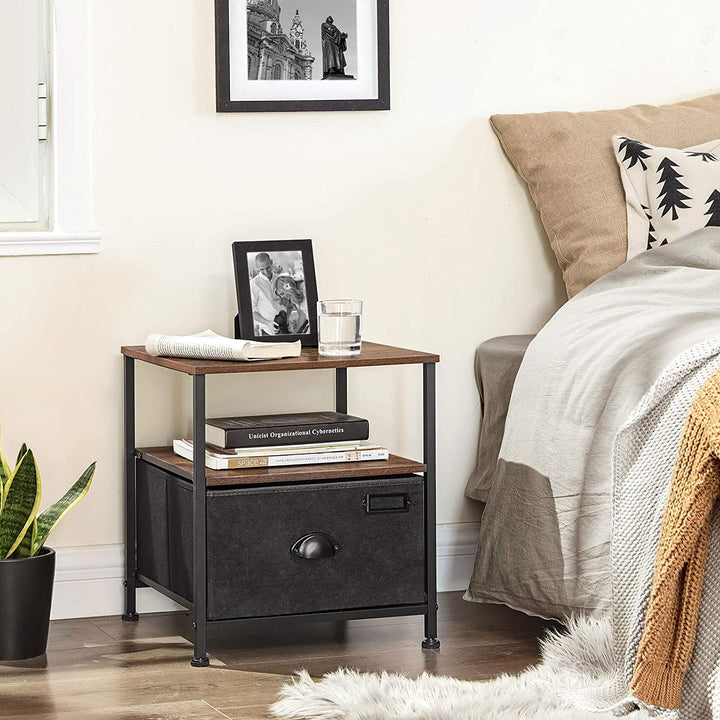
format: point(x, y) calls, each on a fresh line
point(296, 434)
point(309, 459)
point(289, 449)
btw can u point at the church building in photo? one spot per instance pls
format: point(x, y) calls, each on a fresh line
point(273, 54)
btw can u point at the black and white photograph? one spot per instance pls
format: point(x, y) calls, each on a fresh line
point(302, 55)
point(317, 45)
point(277, 293)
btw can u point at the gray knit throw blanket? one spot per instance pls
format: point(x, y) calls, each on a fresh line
point(643, 460)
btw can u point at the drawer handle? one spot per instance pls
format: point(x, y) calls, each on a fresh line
point(315, 546)
point(386, 503)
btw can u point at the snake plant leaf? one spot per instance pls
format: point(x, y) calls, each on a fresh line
point(25, 548)
point(22, 500)
point(50, 517)
point(21, 452)
point(5, 474)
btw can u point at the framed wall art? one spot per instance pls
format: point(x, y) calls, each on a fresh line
point(276, 291)
point(291, 55)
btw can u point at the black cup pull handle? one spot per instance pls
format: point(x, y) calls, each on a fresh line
point(315, 546)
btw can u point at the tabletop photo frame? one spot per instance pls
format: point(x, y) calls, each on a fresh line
point(302, 55)
point(276, 291)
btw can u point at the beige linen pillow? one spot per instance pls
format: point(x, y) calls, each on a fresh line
point(568, 162)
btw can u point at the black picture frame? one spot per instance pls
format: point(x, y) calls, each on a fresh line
point(222, 73)
point(245, 324)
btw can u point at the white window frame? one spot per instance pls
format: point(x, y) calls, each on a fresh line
point(70, 189)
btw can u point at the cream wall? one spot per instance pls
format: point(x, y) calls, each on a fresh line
point(416, 211)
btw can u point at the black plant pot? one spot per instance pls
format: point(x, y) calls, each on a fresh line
point(26, 587)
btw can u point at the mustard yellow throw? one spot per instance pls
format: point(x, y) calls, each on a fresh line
point(670, 622)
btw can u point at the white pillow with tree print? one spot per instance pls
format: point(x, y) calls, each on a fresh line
point(666, 203)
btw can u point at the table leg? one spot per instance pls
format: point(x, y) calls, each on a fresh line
point(341, 390)
point(200, 658)
point(429, 451)
point(130, 613)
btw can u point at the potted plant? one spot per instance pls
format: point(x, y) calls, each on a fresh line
point(27, 567)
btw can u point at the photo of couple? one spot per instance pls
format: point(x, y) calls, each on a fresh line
point(277, 293)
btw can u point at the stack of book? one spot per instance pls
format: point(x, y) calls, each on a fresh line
point(283, 440)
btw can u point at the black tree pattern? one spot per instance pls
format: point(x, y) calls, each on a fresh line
point(671, 189)
point(714, 211)
point(652, 240)
point(704, 156)
point(634, 152)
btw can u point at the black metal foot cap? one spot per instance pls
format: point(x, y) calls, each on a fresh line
point(431, 644)
point(130, 617)
point(200, 662)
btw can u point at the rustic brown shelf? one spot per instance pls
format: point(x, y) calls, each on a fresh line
point(165, 458)
point(372, 354)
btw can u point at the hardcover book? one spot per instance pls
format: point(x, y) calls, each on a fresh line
point(285, 429)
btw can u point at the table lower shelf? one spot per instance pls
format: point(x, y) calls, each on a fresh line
point(165, 458)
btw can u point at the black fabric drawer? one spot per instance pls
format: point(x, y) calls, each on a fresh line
point(251, 531)
point(153, 559)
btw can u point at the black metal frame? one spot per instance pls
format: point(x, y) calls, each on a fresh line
point(198, 607)
point(431, 641)
point(130, 497)
point(223, 102)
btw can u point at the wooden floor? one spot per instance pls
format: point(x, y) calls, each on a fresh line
point(105, 668)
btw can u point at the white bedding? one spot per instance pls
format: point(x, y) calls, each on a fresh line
point(544, 543)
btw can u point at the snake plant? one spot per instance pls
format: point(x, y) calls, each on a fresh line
point(23, 531)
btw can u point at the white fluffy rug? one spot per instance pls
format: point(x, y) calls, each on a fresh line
point(574, 665)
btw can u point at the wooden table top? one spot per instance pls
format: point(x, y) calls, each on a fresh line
point(164, 457)
point(372, 354)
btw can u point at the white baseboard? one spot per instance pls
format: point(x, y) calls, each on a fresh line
point(89, 580)
point(89, 583)
point(456, 555)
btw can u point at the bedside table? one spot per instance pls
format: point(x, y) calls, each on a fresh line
point(337, 541)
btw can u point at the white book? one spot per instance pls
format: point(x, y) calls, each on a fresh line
point(287, 449)
point(220, 461)
point(208, 345)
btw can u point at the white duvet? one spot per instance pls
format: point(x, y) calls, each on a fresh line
point(545, 539)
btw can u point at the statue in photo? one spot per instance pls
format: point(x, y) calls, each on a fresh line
point(334, 47)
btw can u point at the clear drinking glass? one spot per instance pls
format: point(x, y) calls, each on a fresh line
point(339, 323)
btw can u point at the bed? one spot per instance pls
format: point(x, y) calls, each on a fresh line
point(544, 545)
point(544, 459)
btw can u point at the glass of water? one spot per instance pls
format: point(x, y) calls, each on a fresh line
point(339, 323)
